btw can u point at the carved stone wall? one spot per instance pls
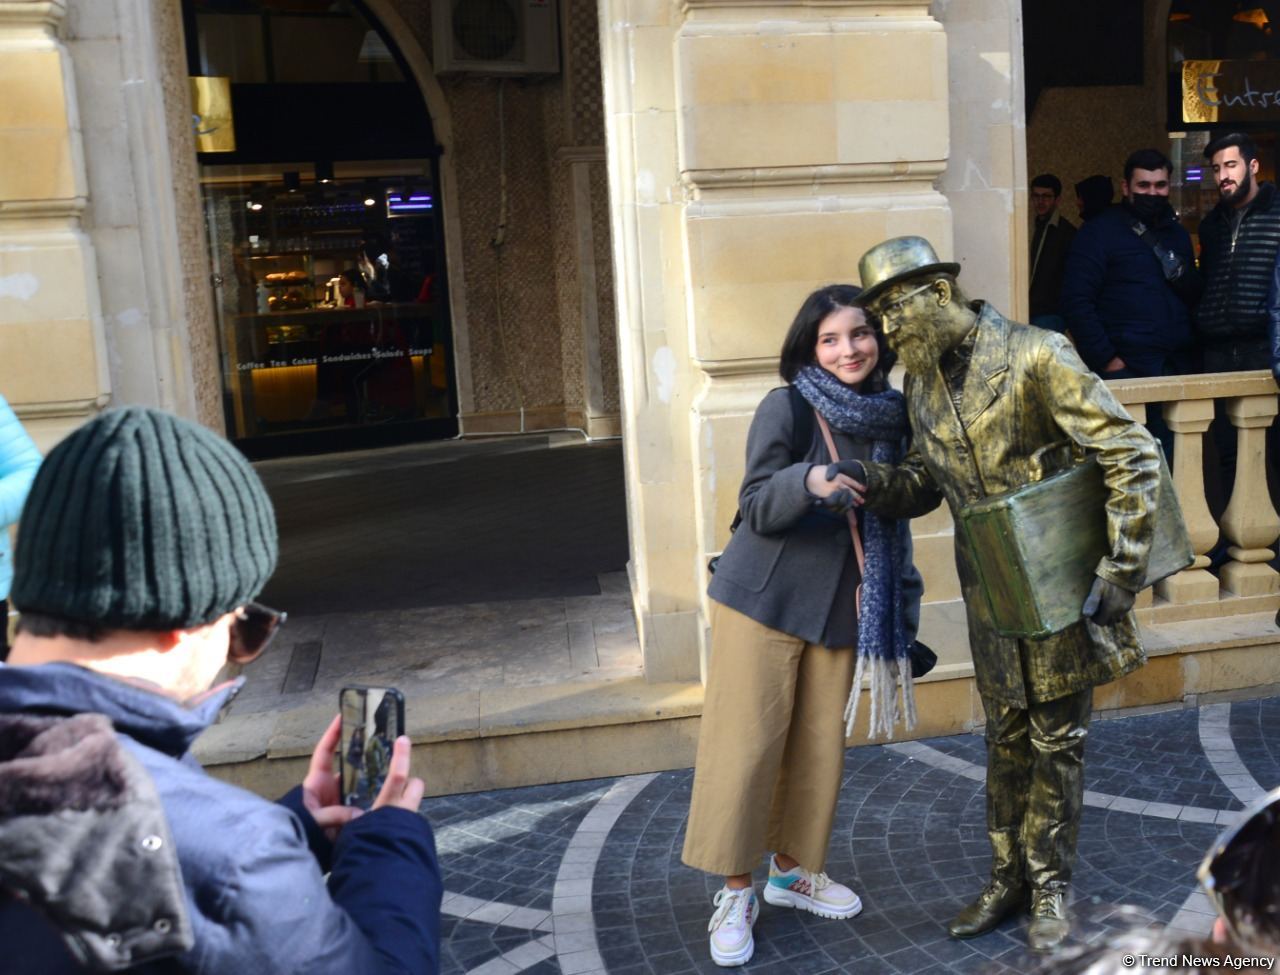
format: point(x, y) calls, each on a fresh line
point(538, 344)
point(197, 298)
point(52, 354)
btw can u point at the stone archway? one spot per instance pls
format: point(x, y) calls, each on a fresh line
point(406, 42)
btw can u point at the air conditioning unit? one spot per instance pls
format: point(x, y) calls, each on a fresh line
point(503, 37)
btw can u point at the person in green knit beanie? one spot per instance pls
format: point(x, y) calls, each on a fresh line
point(142, 545)
point(140, 520)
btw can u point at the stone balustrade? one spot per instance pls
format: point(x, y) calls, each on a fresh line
point(1250, 526)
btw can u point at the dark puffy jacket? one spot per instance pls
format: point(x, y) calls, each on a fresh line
point(1115, 297)
point(118, 852)
point(1048, 266)
point(1237, 272)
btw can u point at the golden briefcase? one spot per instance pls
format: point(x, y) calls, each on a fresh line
point(1036, 548)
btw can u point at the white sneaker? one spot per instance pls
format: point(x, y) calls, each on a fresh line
point(730, 927)
point(813, 892)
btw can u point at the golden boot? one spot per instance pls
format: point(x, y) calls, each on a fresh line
point(1049, 922)
point(1008, 776)
point(1058, 730)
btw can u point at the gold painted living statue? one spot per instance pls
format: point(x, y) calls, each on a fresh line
point(983, 395)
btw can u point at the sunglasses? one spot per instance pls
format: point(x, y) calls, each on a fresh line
point(1241, 874)
point(252, 630)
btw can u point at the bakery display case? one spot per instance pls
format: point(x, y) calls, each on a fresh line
point(329, 307)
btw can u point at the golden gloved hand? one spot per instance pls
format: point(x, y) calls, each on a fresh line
point(1107, 603)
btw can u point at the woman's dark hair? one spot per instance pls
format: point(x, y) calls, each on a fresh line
point(798, 348)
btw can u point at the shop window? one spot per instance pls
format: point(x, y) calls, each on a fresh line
point(324, 231)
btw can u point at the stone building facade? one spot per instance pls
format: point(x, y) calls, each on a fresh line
point(694, 169)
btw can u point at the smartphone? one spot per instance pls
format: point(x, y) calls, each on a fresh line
point(372, 719)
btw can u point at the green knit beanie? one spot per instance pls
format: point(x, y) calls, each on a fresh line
point(140, 520)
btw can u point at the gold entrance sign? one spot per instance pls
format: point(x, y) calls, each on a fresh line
point(212, 121)
point(1230, 91)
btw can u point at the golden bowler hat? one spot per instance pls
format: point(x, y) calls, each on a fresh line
point(897, 260)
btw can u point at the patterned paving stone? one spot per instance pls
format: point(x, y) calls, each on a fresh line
point(506, 846)
point(1254, 730)
point(1152, 758)
point(909, 836)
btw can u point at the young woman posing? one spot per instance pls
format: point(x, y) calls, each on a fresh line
point(786, 638)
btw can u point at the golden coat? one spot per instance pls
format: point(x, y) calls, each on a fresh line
point(1026, 388)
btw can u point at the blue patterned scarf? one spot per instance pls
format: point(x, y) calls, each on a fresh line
point(883, 646)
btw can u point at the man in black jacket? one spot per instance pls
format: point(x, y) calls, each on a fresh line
point(1050, 244)
point(144, 541)
point(1130, 282)
point(1239, 242)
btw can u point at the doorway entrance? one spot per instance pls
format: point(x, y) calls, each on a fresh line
point(319, 182)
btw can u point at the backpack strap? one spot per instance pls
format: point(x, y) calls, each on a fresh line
point(802, 415)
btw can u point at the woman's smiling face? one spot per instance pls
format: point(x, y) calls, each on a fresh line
point(847, 346)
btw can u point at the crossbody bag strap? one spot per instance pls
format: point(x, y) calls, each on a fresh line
point(851, 515)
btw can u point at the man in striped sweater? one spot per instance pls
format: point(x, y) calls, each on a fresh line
point(1239, 241)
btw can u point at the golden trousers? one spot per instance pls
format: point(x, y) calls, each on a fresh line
point(770, 749)
point(1035, 788)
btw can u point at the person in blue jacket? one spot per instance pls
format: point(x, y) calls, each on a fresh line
point(19, 459)
point(144, 541)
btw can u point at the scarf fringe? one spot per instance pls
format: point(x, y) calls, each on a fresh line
point(887, 709)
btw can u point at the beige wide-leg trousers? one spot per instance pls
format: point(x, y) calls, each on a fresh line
point(770, 750)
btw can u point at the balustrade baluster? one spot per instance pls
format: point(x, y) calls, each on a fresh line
point(1250, 522)
point(1189, 419)
point(1139, 413)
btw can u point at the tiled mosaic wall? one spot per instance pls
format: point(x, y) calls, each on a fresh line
point(524, 304)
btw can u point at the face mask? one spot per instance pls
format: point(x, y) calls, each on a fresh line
point(1149, 207)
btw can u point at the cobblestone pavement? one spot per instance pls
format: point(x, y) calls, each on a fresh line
point(586, 877)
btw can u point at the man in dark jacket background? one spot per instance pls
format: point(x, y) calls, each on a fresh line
point(1239, 243)
point(143, 542)
point(1130, 281)
point(1050, 242)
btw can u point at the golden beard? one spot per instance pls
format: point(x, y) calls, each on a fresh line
point(919, 352)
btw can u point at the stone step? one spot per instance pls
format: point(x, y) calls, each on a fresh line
point(514, 736)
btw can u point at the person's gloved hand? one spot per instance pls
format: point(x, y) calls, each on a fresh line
point(838, 501)
point(832, 486)
point(1107, 603)
point(849, 468)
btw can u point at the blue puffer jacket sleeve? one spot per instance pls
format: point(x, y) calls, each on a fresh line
point(19, 459)
point(379, 916)
point(386, 876)
point(1081, 288)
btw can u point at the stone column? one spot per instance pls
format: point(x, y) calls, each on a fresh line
point(1189, 419)
point(755, 152)
point(52, 363)
point(1250, 521)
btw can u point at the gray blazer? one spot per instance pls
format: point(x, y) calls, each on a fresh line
point(790, 565)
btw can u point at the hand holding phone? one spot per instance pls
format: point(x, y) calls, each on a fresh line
point(399, 790)
point(320, 789)
point(372, 724)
